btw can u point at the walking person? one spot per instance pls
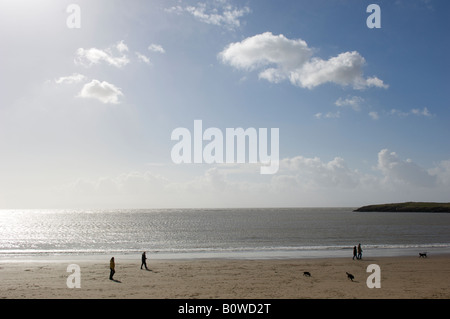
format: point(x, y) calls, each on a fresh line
point(359, 251)
point(112, 266)
point(355, 253)
point(144, 262)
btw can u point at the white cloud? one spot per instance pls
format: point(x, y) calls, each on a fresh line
point(156, 48)
point(213, 180)
point(281, 59)
point(374, 81)
point(374, 115)
point(219, 13)
point(71, 79)
point(407, 172)
point(442, 172)
point(345, 69)
point(424, 112)
point(313, 173)
point(88, 57)
point(121, 47)
point(267, 49)
point(354, 102)
point(115, 55)
point(318, 115)
point(175, 9)
point(328, 115)
point(301, 181)
point(102, 91)
point(143, 58)
point(398, 112)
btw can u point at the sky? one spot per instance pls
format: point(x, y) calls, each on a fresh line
point(93, 91)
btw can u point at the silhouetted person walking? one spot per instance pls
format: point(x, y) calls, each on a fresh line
point(355, 253)
point(112, 266)
point(359, 251)
point(144, 260)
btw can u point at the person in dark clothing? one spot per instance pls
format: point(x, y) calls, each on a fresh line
point(112, 266)
point(359, 251)
point(144, 261)
point(355, 253)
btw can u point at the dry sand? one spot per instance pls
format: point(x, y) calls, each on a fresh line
point(401, 277)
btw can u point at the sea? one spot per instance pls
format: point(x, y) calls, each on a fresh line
point(247, 233)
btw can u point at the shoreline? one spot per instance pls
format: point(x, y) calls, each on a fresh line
point(289, 254)
point(402, 277)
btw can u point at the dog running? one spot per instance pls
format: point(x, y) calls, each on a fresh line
point(307, 274)
point(350, 276)
point(422, 255)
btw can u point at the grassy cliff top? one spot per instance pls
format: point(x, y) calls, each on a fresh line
point(407, 207)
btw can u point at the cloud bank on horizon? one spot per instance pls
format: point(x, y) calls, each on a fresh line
point(300, 177)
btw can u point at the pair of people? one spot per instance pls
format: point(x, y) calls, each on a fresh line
point(112, 265)
point(357, 252)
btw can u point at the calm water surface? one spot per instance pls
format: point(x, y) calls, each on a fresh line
point(229, 233)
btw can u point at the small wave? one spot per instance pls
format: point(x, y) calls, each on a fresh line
point(204, 251)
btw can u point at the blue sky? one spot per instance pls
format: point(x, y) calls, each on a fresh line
point(86, 114)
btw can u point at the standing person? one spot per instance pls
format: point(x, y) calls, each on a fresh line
point(359, 251)
point(112, 266)
point(144, 262)
point(355, 253)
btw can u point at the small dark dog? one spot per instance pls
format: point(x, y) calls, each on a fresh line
point(423, 255)
point(350, 276)
point(307, 274)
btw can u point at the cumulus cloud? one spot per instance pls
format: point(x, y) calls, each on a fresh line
point(418, 112)
point(89, 57)
point(213, 180)
point(102, 91)
point(152, 48)
point(267, 49)
point(396, 170)
point(328, 115)
point(121, 47)
point(442, 173)
point(354, 102)
point(313, 173)
point(219, 13)
point(71, 79)
point(115, 55)
point(344, 69)
point(423, 112)
point(396, 173)
point(374, 81)
point(280, 58)
point(156, 48)
point(143, 58)
point(300, 181)
point(374, 115)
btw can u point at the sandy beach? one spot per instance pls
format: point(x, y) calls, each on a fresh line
point(401, 277)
